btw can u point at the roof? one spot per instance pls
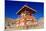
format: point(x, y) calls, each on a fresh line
point(24, 8)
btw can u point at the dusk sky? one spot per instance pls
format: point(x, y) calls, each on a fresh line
point(11, 7)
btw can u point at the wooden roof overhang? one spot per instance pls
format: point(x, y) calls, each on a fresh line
point(25, 7)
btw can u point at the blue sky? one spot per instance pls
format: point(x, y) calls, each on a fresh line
point(11, 7)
